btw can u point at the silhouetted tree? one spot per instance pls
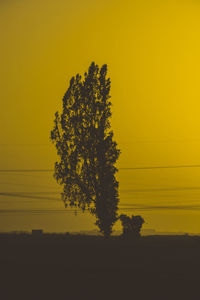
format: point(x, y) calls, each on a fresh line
point(86, 148)
point(131, 225)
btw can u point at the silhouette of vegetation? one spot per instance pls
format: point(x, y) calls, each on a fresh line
point(87, 151)
point(131, 225)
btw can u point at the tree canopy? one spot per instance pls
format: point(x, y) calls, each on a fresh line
point(87, 151)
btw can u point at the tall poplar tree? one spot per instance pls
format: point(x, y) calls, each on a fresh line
point(86, 149)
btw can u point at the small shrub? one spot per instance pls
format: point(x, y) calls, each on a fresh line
point(131, 225)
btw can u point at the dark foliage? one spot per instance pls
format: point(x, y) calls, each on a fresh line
point(131, 225)
point(86, 148)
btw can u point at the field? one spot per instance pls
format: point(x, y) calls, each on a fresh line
point(85, 267)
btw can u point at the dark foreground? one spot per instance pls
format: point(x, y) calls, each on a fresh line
point(66, 267)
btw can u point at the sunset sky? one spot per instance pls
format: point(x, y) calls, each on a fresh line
point(152, 49)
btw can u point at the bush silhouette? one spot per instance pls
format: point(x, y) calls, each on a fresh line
point(131, 225)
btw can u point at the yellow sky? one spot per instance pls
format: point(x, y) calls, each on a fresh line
point(152, 48)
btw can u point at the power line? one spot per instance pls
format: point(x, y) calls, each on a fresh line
point(25, 170)
point(47, 195)
point(72, 210)
point(161, 167)
point(34, 196)
point(126, 168)
point(170, 189)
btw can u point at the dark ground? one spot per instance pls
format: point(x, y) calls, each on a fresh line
point(83, 267)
